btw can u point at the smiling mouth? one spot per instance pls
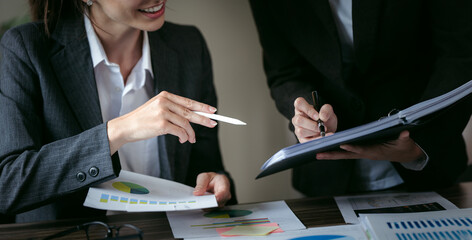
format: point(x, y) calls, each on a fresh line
point(152, 9)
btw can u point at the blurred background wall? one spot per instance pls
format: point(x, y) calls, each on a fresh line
point(231, 35)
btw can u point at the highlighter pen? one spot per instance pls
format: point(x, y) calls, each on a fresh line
point(316, 102)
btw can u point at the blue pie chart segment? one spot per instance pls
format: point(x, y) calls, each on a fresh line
point(324, 237)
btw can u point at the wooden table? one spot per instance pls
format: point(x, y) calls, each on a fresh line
point(313, 212)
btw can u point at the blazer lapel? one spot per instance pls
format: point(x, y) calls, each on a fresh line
point(72, 64)
point(365, 18)
point(324, 39)
point(166, 78)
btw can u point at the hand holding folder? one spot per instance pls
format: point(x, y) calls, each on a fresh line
point(378, 131)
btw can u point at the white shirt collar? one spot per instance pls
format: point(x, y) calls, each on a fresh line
point(99, 55)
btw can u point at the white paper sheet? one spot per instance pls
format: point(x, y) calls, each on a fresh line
point(194, 224)
point(342, 232)
point(445, 225)
point(351, 206)
point(135, 192)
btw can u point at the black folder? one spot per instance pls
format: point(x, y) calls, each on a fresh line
point(378, 131)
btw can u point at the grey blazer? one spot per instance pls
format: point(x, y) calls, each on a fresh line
point(54, 143)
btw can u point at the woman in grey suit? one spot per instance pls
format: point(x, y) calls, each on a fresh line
point(97, 86)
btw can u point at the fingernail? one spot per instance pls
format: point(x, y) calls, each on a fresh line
point(212, 109)
point(315, 116)
point(213, 123)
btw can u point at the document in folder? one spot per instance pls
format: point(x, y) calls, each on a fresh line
point(381, 130)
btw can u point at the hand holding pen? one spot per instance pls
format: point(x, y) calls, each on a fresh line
point(316, 102)
point(313, 121)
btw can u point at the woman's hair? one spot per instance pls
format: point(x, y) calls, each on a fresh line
point(51, 11)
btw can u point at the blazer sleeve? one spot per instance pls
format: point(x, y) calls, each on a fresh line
point(33, 170)
point(441, 138)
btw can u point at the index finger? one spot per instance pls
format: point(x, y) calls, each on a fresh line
point(189, 103)
point(303, 106)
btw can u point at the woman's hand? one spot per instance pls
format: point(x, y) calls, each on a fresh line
point(306, 117)
point(403, 149)
point(165, 113)
point(215, 183)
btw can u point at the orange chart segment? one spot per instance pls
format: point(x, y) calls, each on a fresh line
point(129, 187)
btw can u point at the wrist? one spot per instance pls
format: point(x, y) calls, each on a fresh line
point(419, 153)
point(115, 134)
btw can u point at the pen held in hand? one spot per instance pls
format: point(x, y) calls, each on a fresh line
point(317, 107)
point(221, 118)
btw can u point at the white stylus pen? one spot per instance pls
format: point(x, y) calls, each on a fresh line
point(221, 118)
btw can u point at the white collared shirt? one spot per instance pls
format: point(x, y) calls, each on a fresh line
point(117, 99)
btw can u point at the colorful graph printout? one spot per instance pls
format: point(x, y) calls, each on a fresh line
point(251, 230)
point(445, 225)
point(227, 213)
point(135, 192)
point(222, 231)
point(324, 237)
point(129, 187)
point(194, 224)
point(342, 232)
point(234, 223)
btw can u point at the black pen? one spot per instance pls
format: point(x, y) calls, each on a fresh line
point(316, 102)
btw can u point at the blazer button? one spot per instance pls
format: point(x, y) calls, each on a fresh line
point(93, 171)
point(80, 176)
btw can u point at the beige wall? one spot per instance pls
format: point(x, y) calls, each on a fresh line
point(240, 82)
point(12, 8)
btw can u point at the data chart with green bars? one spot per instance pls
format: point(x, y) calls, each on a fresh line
point(231, 213)
point(129, 187)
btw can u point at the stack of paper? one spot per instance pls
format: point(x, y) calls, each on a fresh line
point(446, 224)
point(352, 206)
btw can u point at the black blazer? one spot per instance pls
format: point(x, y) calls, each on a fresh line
point(51, 122)
point(405, 51)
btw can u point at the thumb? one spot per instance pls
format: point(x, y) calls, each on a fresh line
point(203, 179)
point(404, 135)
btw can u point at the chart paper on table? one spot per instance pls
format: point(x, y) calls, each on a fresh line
point(445, 225)
point(200, 224)
point(135, 192)
point(352, 206)
point(342, 232)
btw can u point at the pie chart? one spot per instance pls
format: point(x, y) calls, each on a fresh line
point(129, 187)
point(324, 237)
point(227, 213)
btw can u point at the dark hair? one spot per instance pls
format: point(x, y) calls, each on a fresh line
point(51, 11)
